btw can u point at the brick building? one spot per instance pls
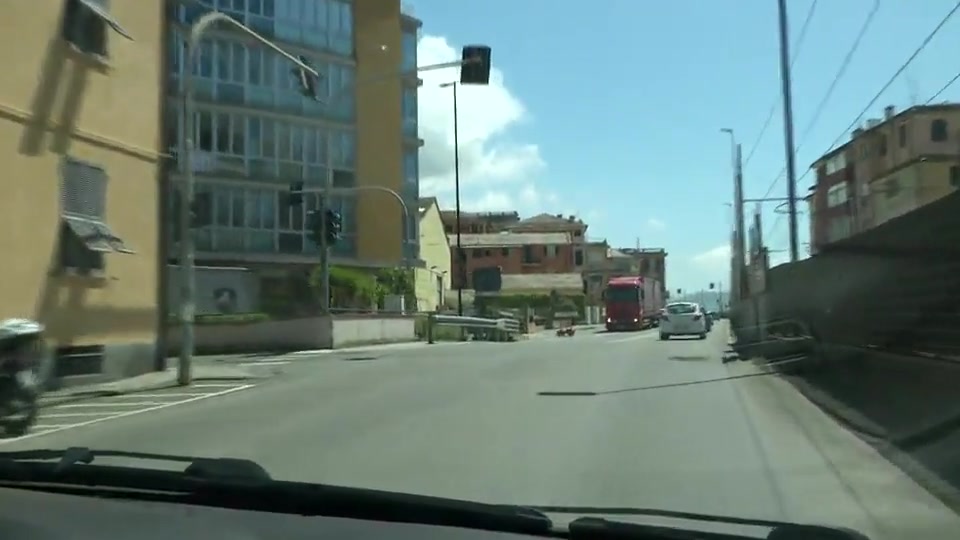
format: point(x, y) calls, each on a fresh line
point(515, 253)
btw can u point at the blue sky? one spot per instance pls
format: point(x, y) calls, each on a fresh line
point(612, 109)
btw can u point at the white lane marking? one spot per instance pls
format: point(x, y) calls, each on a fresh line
point(112, 404)
point(126, 414)
point(266, 363)
point(151, 396)
point(214, 385)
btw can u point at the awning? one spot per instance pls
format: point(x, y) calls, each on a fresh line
point(96, 235)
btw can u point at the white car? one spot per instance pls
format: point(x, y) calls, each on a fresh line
point(683, 319)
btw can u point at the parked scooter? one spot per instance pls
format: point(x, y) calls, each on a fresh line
point(22, 351)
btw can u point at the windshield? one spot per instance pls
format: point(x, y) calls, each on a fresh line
point(277, 267)
point(622, 294)
point(680, 309)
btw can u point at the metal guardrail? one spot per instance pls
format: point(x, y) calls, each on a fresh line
point(502, 329)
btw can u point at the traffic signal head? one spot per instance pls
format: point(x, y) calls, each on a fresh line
point(306, 81)
point(475, 68)
point(334, 227)
point(711, 285)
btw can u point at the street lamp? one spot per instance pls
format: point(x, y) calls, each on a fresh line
point(456, 187)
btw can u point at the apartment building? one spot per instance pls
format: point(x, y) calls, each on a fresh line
point(256, 133)
point(889, 166)
point(80, 106)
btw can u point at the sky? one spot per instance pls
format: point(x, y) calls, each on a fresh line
point(612, 110)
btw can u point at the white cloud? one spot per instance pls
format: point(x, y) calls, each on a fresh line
point(495, 172)
point(656, 224)
point(712, 258)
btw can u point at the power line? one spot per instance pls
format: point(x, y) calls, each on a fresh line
point(903, 67)
point(773, 108)
point(943, 89)
point(838, 76)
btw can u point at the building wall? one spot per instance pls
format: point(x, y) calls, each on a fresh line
point(905, 189)
point(56, 102)
point(833, 201)
point(436, 276)
point(380, 150)
point(895, 143)
point(529, 259)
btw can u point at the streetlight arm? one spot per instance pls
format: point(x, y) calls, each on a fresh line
point(343, 191)
point(208, 19)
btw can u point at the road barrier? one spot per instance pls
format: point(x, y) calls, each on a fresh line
point(502, 329)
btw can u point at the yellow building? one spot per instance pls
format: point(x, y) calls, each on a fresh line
point(432, 281)
point(80, 117)
point(256, 134)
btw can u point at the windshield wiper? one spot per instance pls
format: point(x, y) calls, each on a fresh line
point(593, 528)
point(221, 468)
point(244, 484)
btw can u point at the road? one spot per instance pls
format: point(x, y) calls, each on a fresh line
point(600, 420)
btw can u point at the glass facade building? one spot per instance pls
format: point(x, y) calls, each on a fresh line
point(255, 133)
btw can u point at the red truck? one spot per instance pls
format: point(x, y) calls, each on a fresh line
point(633, 303)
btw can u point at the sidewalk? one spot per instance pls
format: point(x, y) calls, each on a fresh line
point(156, 380)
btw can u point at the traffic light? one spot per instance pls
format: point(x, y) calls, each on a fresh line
point(711, 285)
point(334, 226)
point(306, 81)
point(295, 196)
point(475, 68)
point(201, 211)
point(315, 227)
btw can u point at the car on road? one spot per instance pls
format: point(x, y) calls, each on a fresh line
point(683, 319)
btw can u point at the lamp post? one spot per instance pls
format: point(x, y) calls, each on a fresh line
point(461, 270)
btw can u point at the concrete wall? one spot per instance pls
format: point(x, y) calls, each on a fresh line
point(875, 288)
point(307, 333)
point(219, 290)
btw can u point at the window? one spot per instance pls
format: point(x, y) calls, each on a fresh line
point(955, 176)
point(938, 130)
point(410, 111)
point(411, 173)
point(837, 195)
point(622, 294)
point(529, 255)
point(84, 235)
point(681, 309)
point(85, 25)
point(902, 135)
point(409, 45)
point(578, 258)
point(882, 145)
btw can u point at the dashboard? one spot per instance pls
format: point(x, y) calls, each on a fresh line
point(33, 515)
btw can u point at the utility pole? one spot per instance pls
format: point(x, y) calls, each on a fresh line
point(788, 128)
point(461, 267)
point(739, 248)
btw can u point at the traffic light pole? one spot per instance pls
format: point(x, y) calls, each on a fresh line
point(324, 193)
point(187, 252)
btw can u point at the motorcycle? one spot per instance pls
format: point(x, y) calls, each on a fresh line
point(22, 350)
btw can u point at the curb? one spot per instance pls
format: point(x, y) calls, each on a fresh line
point(894, 451)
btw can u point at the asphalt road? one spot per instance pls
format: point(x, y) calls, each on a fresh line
point(598, 420)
